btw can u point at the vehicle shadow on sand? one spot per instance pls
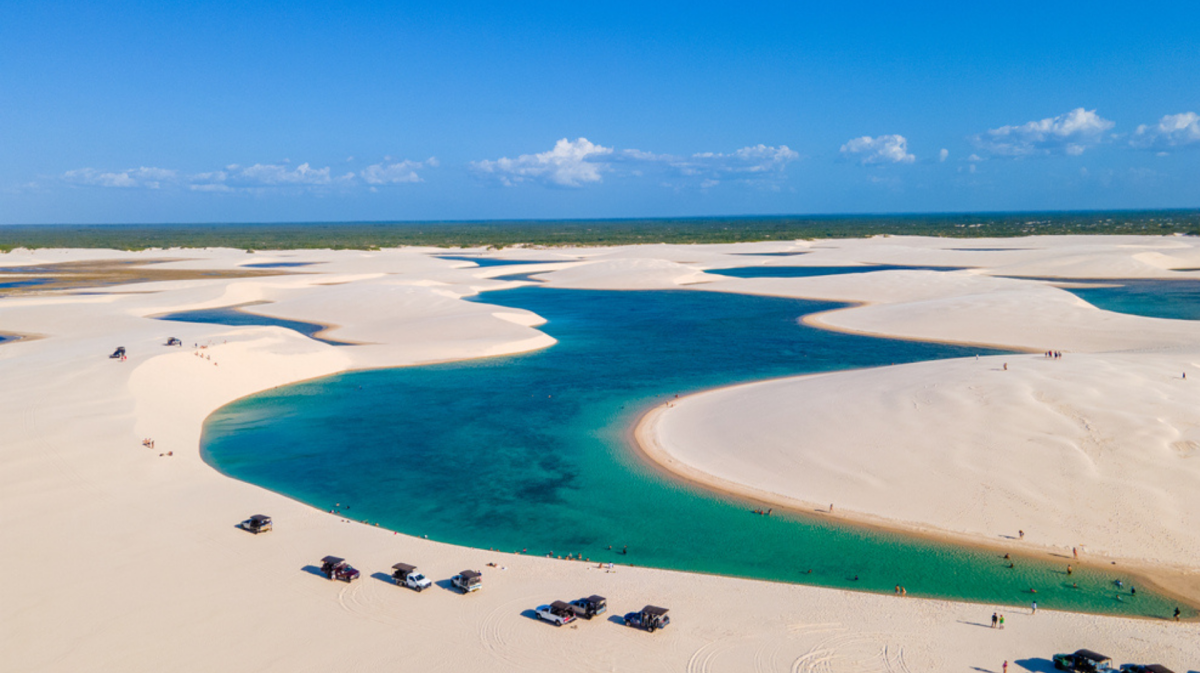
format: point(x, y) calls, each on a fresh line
point(447, 585)
point(617, 619)
point(532, 614)
point(314, 570)
point(383, 577)
point(1037, 665)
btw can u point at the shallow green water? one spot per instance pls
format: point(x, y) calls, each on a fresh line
point(1176, 299)
point(531, 452)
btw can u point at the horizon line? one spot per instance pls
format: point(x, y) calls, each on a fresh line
point(688, 218)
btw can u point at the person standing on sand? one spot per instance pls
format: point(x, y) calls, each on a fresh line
point(1001, 622)
point(995, 620)
point(1176, 614)
point(1004, 667)
point(1075, 551)
point(1034, 611)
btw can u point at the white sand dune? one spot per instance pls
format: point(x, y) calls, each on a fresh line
point(1100, 452)
point(117, 559)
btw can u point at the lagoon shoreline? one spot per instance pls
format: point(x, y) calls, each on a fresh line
point(100, 573)
point(1181, 583)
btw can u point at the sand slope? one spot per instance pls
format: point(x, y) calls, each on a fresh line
point(118, 559)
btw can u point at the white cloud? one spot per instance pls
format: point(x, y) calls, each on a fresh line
point(146, 177)
point(384, 173)
point(943, 154)
point(210, 188)
point(572, 164)
point(753, 159)
point(1170, 131)
point(754, 164)
point(889, 149)
point(276, 174)
point(569, 164)
point(257, 177)
point(1071, 133)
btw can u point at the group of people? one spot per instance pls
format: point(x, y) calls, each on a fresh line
point(1054, 355)
point(149, 444)
point(901, 591)
point(998, 620)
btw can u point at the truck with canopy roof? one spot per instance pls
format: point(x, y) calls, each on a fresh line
point(406, 575)
point(651, 618)
point(259, 523)
point(336, 568)
point(468, 581)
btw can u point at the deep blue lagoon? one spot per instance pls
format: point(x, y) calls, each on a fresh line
point(235, 316)
point(532, 452)
point(810, 271)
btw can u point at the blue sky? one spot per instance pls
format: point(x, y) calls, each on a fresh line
point(200, 112)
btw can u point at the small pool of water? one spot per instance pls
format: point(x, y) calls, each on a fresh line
point(490, 261)
point(532, 452)
point(7, 284)
point(1176, 299)
point(808, 271)
point(277, 265)
point(236, 317)
point(529, 277)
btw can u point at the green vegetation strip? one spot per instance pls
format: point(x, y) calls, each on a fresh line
point(500, 234)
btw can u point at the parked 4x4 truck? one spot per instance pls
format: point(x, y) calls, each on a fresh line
point(468, 581)
point(407, 576)
point(557, 613)
point(337, 569)
point(259, 523)
point(651, 618)
point(1083, 661)
point(591, 606)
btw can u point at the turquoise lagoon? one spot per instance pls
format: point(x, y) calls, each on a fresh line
point(533, 452)
point(1177, 299)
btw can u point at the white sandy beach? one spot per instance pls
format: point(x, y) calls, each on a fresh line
point(118, 559)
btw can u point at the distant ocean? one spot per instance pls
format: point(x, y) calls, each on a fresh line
point(501, 233)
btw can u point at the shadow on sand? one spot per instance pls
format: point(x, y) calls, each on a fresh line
point(1038, 665)
point(314, 570)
